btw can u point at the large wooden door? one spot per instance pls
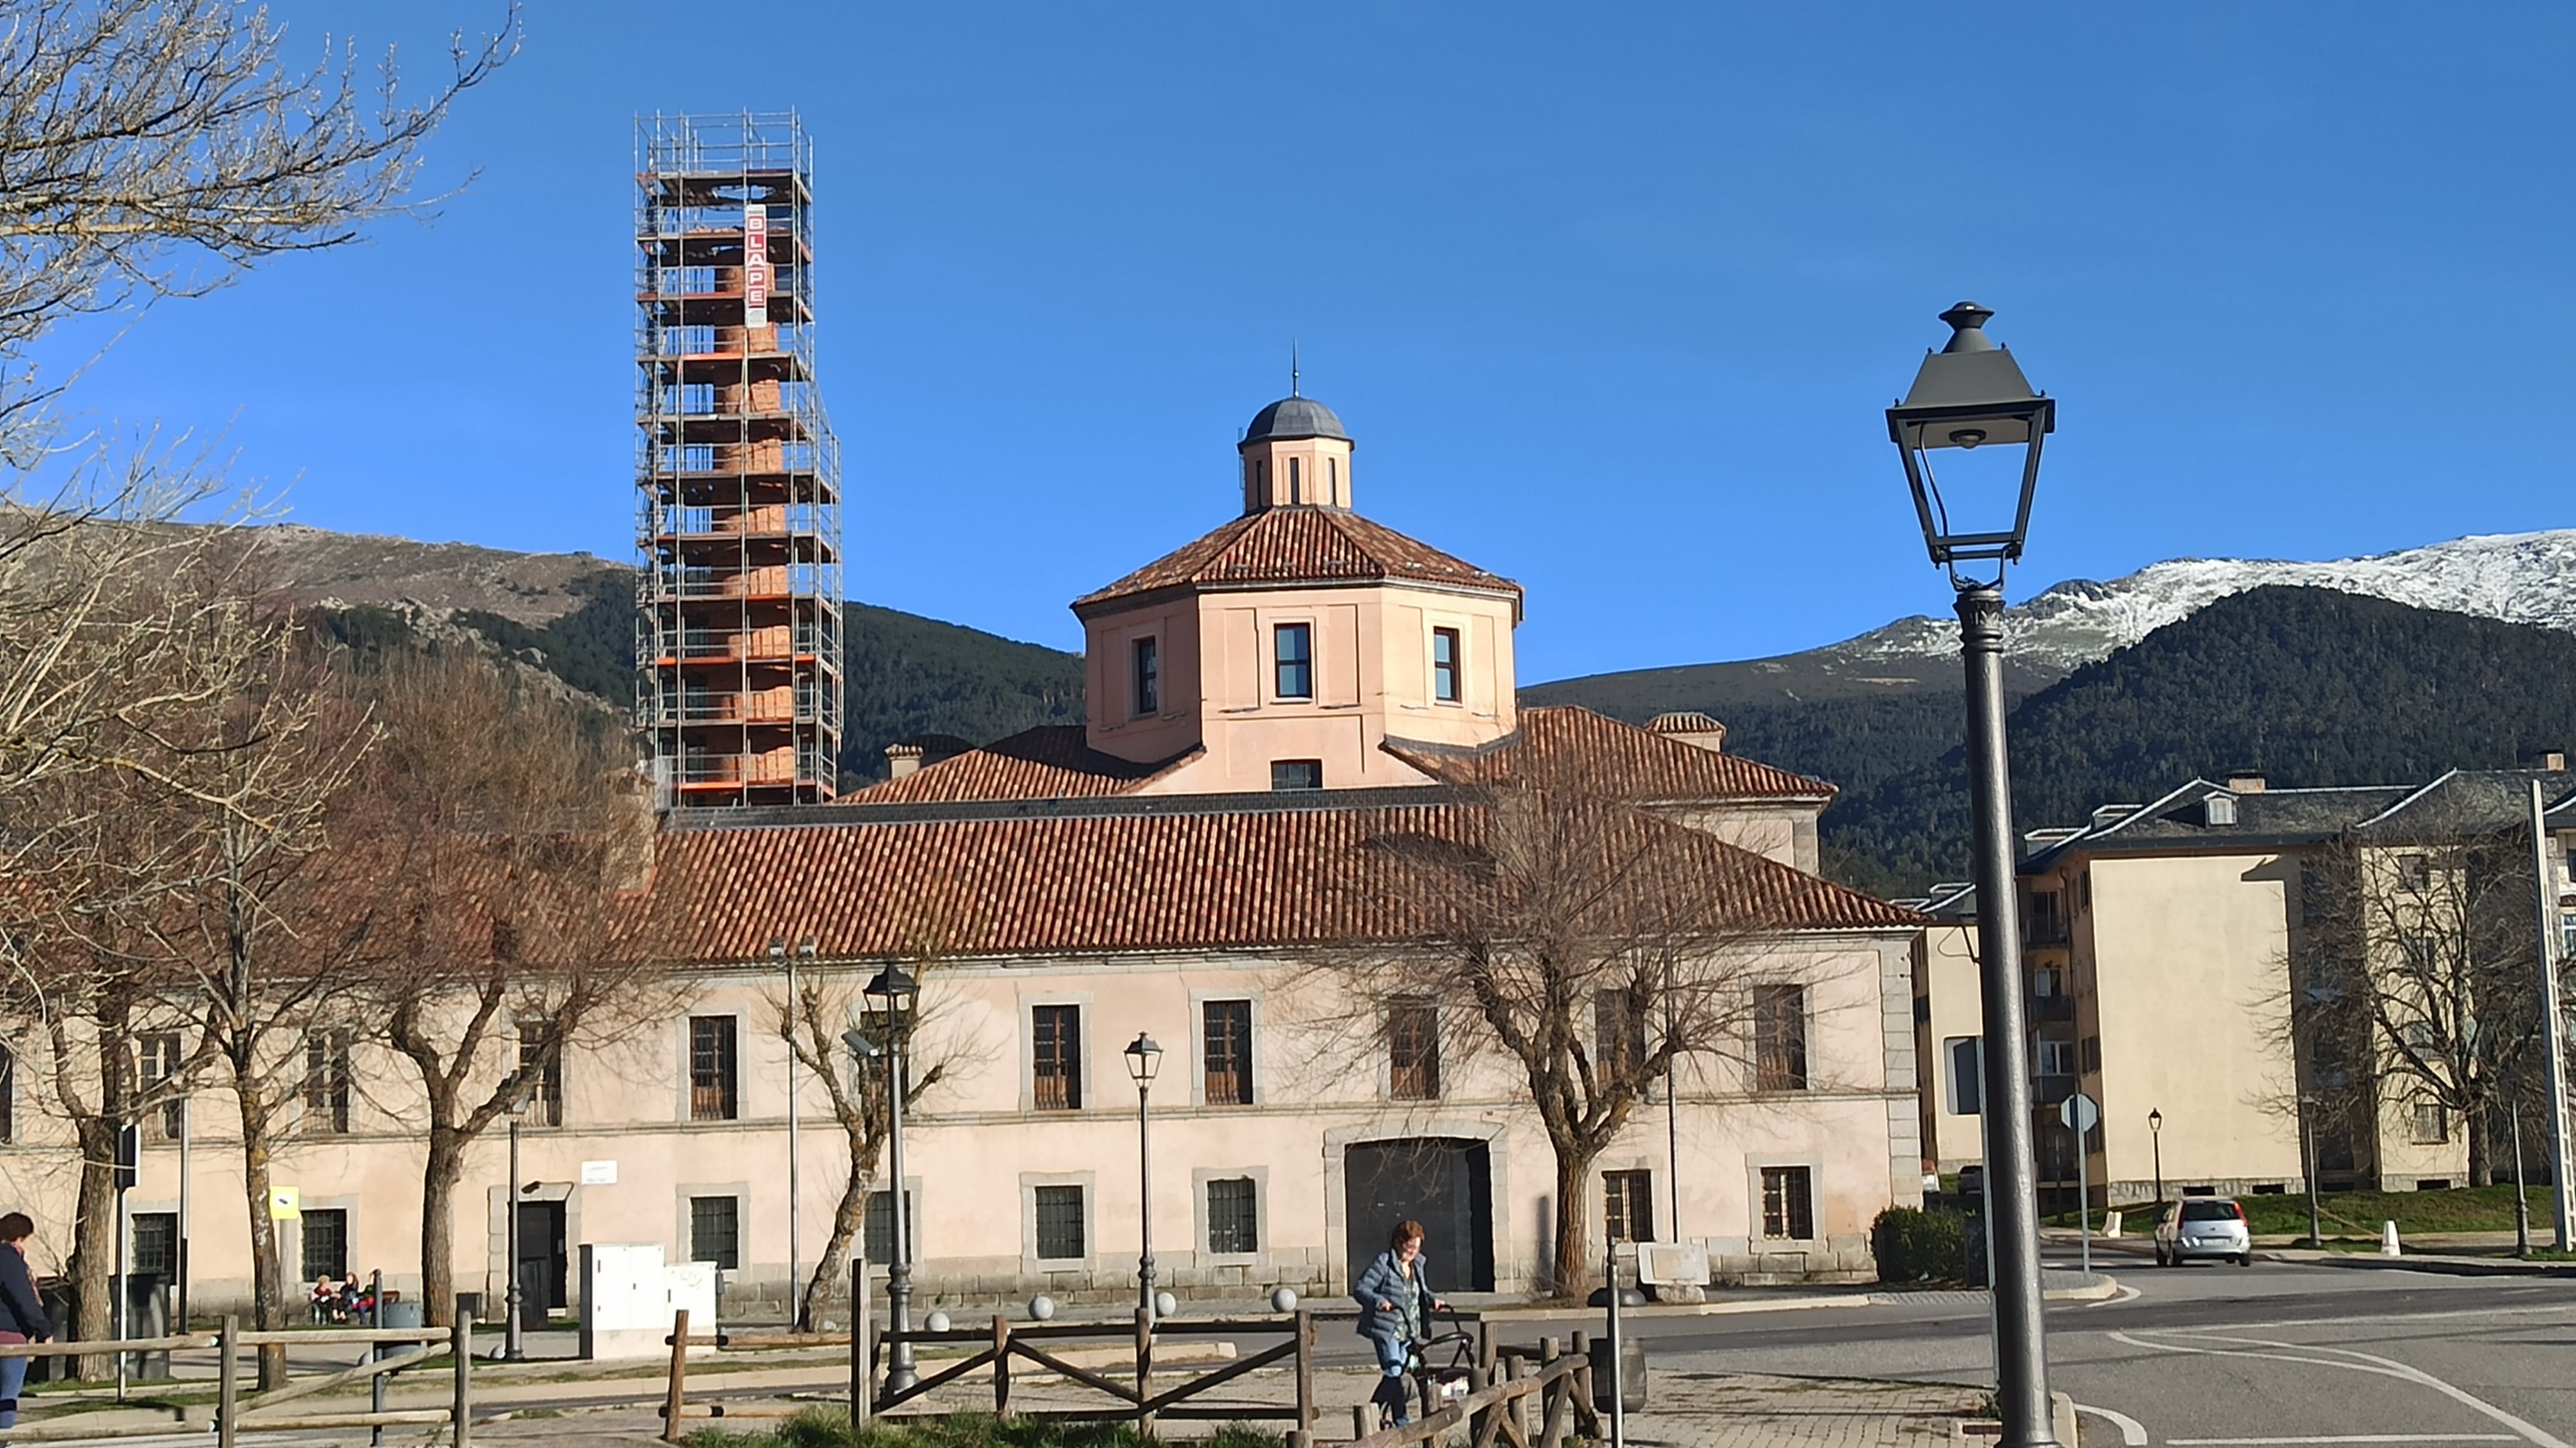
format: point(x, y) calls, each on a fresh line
point(1445, 1183)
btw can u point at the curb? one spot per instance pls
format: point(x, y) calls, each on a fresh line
point(1675, 1309)
point(2449, 1266)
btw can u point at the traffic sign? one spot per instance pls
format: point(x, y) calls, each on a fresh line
point(2079, 1113)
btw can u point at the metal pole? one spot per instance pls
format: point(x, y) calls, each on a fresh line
point(2084, 1200)
point(2158, 1136)
point(2308, 1147)
point(1145, 1211)
point(2012, 1177)
point(512, 1349)
point(900, 1373)
point(1672, 1119)
point(2553, 1026)
point(179, 1248)
point(795, 1179)
point(2521, 1198)
point(117, 1304)
point(1618, 1358)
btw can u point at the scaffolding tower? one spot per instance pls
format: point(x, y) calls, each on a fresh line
point(737, 474)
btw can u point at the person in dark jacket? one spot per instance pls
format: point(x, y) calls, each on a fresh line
point(22, 1312)
point(1395, 1299)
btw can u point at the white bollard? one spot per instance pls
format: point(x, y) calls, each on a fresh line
point(2111, 1223)
point(2388, 1239)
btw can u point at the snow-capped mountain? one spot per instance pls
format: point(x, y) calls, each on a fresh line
point(2518, 577)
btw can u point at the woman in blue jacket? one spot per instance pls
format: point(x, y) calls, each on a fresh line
point(1395, 1299)
point(22, 1312)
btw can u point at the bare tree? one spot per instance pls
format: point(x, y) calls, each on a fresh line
point(503, 830)
point(1593, 943)
point(2417, 979)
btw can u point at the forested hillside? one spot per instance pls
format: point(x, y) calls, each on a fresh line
point(2308, 686)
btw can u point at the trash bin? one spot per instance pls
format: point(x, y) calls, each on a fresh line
point(147, 1314)
point(56, 1294)
point(398, 1313)
point(1632, 1374)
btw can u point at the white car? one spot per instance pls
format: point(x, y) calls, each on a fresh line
point(2204, 1227)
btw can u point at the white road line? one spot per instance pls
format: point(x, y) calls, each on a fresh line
point(2367, 1363)
point(2125, 1294)
point(2133, 1434)
point(2348, 1438)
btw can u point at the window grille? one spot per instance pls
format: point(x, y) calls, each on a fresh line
point(1788, 1203)
point(711, 1068)
point(1232, 1215)
point(1055, 1068)
point(1226, 1043)
point(1779, 1038)
point(1060, 1226)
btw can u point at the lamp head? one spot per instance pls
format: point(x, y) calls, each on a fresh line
point(2155, 1121)
point(896, 987)
point(808, 948)
point(777, 947)
point(1968, 395)
point(1144, 1058)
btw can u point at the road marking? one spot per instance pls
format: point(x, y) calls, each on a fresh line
point(2367, 1363)
point(2133, 1434)
point(2350, 1439)
point(2125, 1294)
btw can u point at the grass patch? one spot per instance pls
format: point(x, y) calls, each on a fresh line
point(831, 1428)
point(2460, 1209)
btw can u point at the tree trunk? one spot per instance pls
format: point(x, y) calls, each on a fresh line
point(1571, 1273)
point(438, 1178)
point(2473, 1125)
point(849, 1218)
point(93, 1262)
point(267, 1286)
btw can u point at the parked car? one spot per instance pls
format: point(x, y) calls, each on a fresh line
point(2204, 1227)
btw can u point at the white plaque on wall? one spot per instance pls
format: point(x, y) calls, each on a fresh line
point(599, 1173)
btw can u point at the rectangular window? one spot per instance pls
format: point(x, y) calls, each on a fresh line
point(8, 1094)
point(1413, 1051)
point(2432, 1124)
point(326, 1245)
point(1967, 1076)
point(1788, 1203)
point(1055, 1060)
point(1289, 774)
point(2047, 983)
point(1618, 1033)
point(2092, 1055)
point(715, 1231)
point(1292, 650)
point(878, 1237)
point(1296, 480)
point(2056, 1056)
point(1149, 697)
point(1226, 1048)
point(1233, 1215)
point(326, 1080)
point(1060, 1227)
point(1779, 1038)
point(711, 1069)
point(1444, 665)
point(1628, 1205)
point(158, 1061)
point(156, 1244)
point(545, 1107)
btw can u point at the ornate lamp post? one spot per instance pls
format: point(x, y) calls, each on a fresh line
point(1144, 1058)
point(899, 997)
point(514, 1347)
point(1968, 395)
point(2156, 1134)
point(805, 951)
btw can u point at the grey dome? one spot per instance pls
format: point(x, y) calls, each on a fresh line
point(1294, 417)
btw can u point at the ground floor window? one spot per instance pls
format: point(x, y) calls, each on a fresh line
point(156, 1243)
point(1233, 1215)
point(1060, 1231)
point(1628, 1205)
point(715, 1232)
point(1788, 1203)
point(326, 1244)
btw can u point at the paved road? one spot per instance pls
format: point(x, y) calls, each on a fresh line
point(2222, 1357)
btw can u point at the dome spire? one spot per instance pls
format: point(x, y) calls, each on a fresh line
point(1293, 378)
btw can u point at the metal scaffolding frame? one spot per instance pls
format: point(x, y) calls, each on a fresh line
point(737, 473)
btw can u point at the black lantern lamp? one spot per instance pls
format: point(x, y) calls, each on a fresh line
point(1970, 394)
point(1144, 1058)
point(897, 992)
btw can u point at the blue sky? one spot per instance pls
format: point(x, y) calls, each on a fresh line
point(1610, 296)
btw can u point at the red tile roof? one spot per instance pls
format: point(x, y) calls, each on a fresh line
point(1115, 882)
point(1631, 762)
point(1050, 761)
point(1300, 545)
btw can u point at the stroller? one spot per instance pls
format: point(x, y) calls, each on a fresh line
point(1429, 1377)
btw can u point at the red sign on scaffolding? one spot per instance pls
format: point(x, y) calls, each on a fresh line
point(755, 265)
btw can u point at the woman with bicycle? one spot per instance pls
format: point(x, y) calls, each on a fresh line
point(1396, 1300)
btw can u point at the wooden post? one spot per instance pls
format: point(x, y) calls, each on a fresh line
point(1480, 1376)
point(1587, 1419)
point(1515, 1419)
point(679, 1376)
point(862, 1373)
point(1552, 1398)
point(1001, 1366)
point(227, 1393)
point(1304, 1327)
point(1144, 1370)
point(1362, 1422)
point(460, 1340)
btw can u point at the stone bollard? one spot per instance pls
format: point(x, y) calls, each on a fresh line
point(2388, 1239)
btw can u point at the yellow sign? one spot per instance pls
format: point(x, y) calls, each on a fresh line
point(285, 1204)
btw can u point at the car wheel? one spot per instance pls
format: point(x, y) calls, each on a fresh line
point(2244, 1259)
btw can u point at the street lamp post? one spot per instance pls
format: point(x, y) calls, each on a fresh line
point(1967, 395)
point(514, 1348)
point(2308, 1159)
point(1144, 1058)
point(899, 996)
point(805, 951)
point(2156, 1134)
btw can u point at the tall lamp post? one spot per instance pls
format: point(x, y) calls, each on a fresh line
point(1144, 1058)
point(805, 951)
point(513, 1347)
point(899, 996)
point(1972, 394)
point(2156, 1134)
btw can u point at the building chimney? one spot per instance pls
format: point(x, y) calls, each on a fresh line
point(902, 759)
point(2554, 760)
point(2244, 781)
point(1693, 728)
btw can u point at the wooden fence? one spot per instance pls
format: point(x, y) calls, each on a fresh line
point(235, 1412)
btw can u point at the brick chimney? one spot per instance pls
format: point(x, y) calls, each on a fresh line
point(902, 759)
point(1692, 728)
point(2244, 781)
